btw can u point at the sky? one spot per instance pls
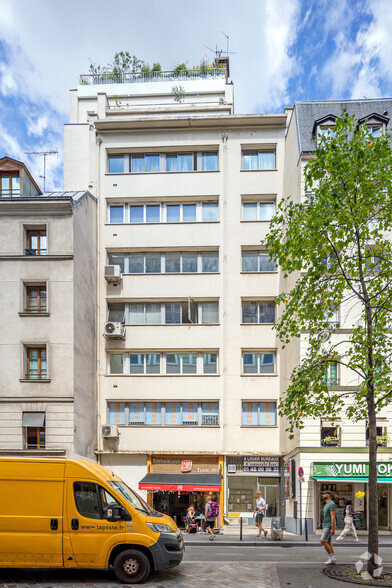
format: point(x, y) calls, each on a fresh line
point(283, 50)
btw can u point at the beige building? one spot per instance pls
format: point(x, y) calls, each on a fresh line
point(189, 367)
point(333, 455)
point(48, 283)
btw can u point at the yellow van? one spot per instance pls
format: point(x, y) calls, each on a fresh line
point(71, 513)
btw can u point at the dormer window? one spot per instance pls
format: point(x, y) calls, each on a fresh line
point(324, 127)
point(375, 130)
point(327, 130)
point(10, 185)
point(376, 123)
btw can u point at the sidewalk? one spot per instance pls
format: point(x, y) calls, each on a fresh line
point(231, 536)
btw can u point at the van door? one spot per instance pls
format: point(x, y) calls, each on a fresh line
point(90, 537)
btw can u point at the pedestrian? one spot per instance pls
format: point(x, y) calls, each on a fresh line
point(259, 512)
point(328, 526)
point(349, 526)
point(211, 512)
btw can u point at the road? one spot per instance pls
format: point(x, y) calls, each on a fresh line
point(264, 567)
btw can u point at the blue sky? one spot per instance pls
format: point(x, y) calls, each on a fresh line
point(285, 50)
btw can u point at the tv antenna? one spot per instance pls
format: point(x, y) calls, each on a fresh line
point(220, 52)
point(43, 154)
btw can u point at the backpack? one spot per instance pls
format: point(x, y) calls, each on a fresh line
point(214, 509)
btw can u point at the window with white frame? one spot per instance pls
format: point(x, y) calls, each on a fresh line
point(182, 161)
point(146, 262)
point(164, 363)
point(164, 414)
point(257, 261)
point(258, 311)
point(162, 212)
point(258, 210)
point(259, 363)
point(258, 414)
point(257, 159)
point(164, 313)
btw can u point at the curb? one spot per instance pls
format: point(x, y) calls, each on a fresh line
point(207, 543)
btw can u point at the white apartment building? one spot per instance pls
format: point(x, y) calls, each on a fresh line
point(189, 368)
point(48, 310)
point(333, 455)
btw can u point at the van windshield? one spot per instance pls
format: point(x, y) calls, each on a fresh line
point(132, 497)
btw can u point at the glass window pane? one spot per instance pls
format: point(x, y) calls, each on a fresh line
point(116, 164)
point(153, 213)
point(116, 312)
point(249, 413)
point(267, 312)
point(136, 361)
point(117, 259)
point(173, 363)
point(249, 211)
point(116, 214)
point(173, 213)
point(249, 160)
point(116, 363)
point(136, 263)
point(209, 211)
point(189, 262)
point(153, 314)
point(116, 413)
point(173, 313)
point(153, 413)
point(249, 261)
point(5, 186)
point(249, 312)
point(267, 414)
point(190, 413)
point(267, 210)
point(185, 161)
point(43, 243)
point(266, 160)
point(173, 262)
point(136, 413)
point(189, 213)
point(86, 499)
point(210, 261)
point(136, 314)
point(136, 214)
point(250, 363)
point(210, 363)
point(210, 313)
point(189, 363)
point(209, 161)
point(171, 162)
point(137, 163)
point(153, 263)
point(32, 294)
point(15, 186)
point(265, 264)
point(151, 163)
point(153, 363)
point(173, 413)
point(210, 413)
point(267, 363)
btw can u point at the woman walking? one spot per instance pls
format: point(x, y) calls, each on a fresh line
point(349, 526)
point(260, 512)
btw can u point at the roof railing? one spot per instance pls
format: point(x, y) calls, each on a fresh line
point(156, 76)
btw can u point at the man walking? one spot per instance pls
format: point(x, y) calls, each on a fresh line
point(260, 513)
point(328, 526)
point(211, 511)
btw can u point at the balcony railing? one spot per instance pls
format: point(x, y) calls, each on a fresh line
point(156, 76)
point(29, 251)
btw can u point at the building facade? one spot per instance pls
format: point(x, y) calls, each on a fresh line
point(189, 368)
point(333, 455)
point(48, 283)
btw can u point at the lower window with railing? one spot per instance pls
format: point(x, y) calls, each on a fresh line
point(164, 414)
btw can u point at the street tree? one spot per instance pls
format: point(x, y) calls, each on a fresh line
point(337, 247)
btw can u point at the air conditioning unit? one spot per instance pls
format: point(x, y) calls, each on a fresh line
point(110, 431)
point(113, 274)
point(114, 330)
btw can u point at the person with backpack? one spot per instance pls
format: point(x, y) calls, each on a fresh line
point(211, 512)
point(259, 512)
point(349, 526)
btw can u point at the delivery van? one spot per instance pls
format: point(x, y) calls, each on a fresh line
point(71, 513)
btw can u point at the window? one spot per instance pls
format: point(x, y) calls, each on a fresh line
point(257, 261)
point(330, 434)
point(332, 316)
point(166, 262)
point(210, 363)
point(259, 363)
point(173, 363)
point(209, 212)
point(116, 214)
point(258, 211)
point(36, 363)
point(167, 414)
point(117, 259)
point(36, 299)
point(116, 164)
point(257, 159)
point(372, 261)
point(375, 130)
point(116, 312)
point(258, 312)
point(163, 213)
point(145, 363)
point(9, 186)
point(33, 424)
point(179, 162)
point(146, 163)
point(381, 435)
point(36, 242)
point(209, 161)
point(331, 374)
point(116, 363)
point(184, 161)
point(327, 131)
point(168, 313)
point(86, 500)
point(259, 414)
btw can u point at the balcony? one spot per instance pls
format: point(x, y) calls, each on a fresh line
point(155, 76)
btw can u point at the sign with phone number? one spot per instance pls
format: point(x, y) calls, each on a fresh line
point(261, 464)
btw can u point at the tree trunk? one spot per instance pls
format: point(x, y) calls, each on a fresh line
point(372, 493)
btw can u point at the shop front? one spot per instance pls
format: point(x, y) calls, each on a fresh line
point(174, 483)
point(247, 475)
point(349, 481)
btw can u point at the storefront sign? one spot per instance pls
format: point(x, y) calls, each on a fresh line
point(197, 464)
point(186, 465)
point(261, 464)
point(342, 470)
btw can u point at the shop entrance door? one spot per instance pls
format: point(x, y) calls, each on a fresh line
point(383, 504)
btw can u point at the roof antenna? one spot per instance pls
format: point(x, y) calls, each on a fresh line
point(221, 52)
point(44, 154)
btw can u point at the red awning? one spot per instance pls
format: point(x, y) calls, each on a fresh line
point(182, 482)
point(180, 487)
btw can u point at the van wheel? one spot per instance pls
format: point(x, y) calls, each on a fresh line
point(132, 567)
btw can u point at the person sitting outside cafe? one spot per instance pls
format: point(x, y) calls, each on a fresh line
point(190, 520)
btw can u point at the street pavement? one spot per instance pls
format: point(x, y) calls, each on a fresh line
point(273, 566)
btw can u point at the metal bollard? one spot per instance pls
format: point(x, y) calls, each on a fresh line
point(240, 528)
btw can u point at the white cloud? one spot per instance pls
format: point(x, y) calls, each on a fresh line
point(38, 126)
point(8, 84)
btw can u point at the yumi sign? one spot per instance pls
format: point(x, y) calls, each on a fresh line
point(343, 470)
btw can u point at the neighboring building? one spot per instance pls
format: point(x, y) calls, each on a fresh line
point(48, 312)
point(333, 454)
point(189, 368)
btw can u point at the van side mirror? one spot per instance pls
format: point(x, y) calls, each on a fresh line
point(114, 512)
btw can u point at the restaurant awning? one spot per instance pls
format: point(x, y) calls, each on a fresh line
point(182, 482)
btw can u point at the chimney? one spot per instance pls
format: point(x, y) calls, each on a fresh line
point(224, 62)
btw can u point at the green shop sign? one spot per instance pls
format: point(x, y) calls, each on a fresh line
point(342, 470)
